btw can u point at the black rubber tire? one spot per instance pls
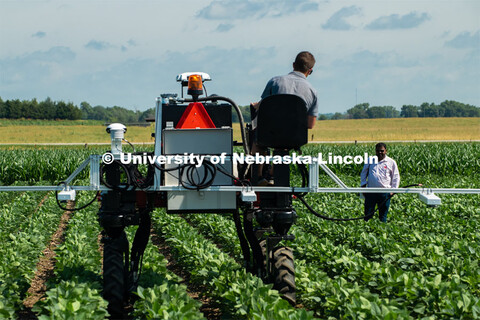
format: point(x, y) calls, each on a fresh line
point(284, 273)
point(115, 276)
point(263, 245)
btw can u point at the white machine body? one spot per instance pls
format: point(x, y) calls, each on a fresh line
point(203, 143)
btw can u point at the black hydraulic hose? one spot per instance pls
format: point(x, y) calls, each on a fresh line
point(241, 236)
point(246, 149)
point(121, 186)
point(413, 185)
point(326, 217)
point(305, 178)
point(138, 180)
point(368, 216)
point(252, 239)
point(243, 182)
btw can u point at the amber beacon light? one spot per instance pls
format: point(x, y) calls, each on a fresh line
point(195, 85)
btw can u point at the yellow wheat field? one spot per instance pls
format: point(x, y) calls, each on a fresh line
point(398, 129)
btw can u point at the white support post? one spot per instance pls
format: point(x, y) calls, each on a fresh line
point(77, 171)
point(333, 175)
point(95, 171)
point(313, 176)
point(157, 182)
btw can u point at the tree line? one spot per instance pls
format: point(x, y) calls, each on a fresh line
point(447, 108)
point(51, 110)
point(60, 110)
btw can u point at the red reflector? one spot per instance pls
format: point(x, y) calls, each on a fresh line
point(195, 116)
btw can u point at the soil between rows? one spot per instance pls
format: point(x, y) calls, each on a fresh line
point(45, 265)
point(209, 308)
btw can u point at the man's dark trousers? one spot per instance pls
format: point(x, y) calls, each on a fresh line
point(382, 200)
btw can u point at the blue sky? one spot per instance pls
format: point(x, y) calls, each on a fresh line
point(126, 53)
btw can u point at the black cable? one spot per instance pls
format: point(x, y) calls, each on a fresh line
point(189, 175)
point(243, 182)
point(139, 180)
point(368, 216)
point(134, 177)
point(131, 145)
point(326, 217)
point(190, 178)
point(73, 209)
point(137, 177)
point(193, 184)
point(204, 88)
point(121, 186)
point(191, 169)
point(305, 178)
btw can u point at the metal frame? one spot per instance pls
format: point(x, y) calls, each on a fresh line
point(313, 187)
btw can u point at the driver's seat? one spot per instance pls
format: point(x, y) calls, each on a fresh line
point(282, 122)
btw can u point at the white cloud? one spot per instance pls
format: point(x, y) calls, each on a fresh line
point(27, 75)
point(98, 45)
point(39, 34)
point(338, 21)
point(465, 40)
point(224, 27)
point(395, 21)
point(249, 9)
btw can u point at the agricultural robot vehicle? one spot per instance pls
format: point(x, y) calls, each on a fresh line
point(193, 169)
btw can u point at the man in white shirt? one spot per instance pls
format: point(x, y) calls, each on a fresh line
point(383, 174)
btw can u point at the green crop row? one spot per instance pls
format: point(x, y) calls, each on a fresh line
point(345, 270)
point(74, 292)
point(312, 284)
point(16, 210)
point(160, 294)
point(34, 165)
point(6, 198)
point(241, 294)
point(75, 289)
point(23, 241)
point(219, 228)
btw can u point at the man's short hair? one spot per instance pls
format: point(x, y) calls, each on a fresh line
point(381, 144)
point(304, 61)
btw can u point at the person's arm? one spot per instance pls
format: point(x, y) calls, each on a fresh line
point(311, 121)
point(313, 112)
point(395, 176)
point(255, 105)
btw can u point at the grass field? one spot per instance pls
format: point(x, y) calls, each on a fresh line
point(33, 122)
point(69, 134)
point(397, 129)
point(12, 132)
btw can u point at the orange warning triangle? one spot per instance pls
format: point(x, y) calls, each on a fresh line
point(195, 116)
